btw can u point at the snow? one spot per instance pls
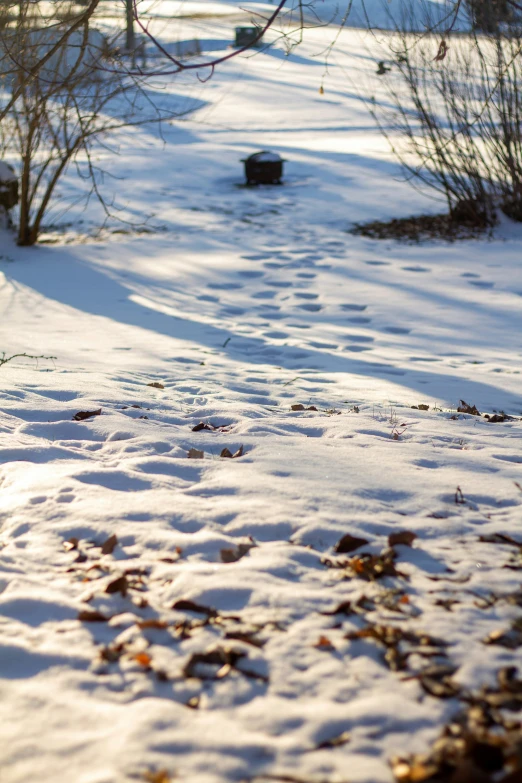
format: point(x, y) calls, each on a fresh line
point(239, 303)
point(6, 172)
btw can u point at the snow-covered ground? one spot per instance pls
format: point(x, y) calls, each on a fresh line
point(237, 305)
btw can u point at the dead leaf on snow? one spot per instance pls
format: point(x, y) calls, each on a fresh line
point(70, 544)
point(349, 543)
point(299, 407)
point(156, 385)
point(324, 643)
point(228, 454)
point(465, 408)
point(119, 585)
point(160, 776)
point(335, 742)
point(108, 546)
point(184, 605)
point(235, 554)
point(209, 426)
point(143, 659)
point(195, 454)
point(92, 616)
point(82, 415)
point(404, 537)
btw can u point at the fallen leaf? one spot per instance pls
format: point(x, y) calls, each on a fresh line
point(195, 454)
point(228, 454)
point(184, 605)
point(143, 659)
point(349, 543)
point(423, 407)
point(465, 408)
point(70, 544)
point(233, 555)
point(209, 426)
point(108, 546)
point(343, 608)
point(156, 385)
point(298, 407)
point(119, 585)
point(152, 623)
point(405, 537)
point(335, 742)
point(442, 51)
point(324, 643)
point(161, 776)
point(92, 616)
point(82, 415)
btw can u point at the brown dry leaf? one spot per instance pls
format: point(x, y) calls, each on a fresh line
point(195, 454)
point(442, 52)
point(119, 585)
point(465, 408)
point(228, 454)
point(404, 537)
point(109, 545)
point(160, 776)
point(92, 616)
point(156, 385)
point(335, 742)
point(321, 90)
point(298, 407)
point(82, 415)
point(324, 643)
point(343, 608)
point(209, 426)
point(184, 605)
point(233, 555)
point(349, 543)
point(423, 407)
point(143, 659)
point(152, 623)
point(70, 544)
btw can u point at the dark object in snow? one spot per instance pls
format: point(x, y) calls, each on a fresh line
point(382, 68)
point(83, 415)
point(263, 168)
point(247, 36)
point(8, 186)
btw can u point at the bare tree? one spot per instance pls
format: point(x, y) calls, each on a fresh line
point(69, 89)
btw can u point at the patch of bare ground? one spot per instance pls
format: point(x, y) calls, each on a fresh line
point(421, 227)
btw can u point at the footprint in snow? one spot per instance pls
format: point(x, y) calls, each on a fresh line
point(357, 348)
point(481, 283)
point(359, 319)
point(229, 286)
point(275, 335)
point(306, 275)
point(377, 263)
point(355, 307)
point(279, 283)
point(415, 269)
point(329, 346)
point(306, 295)
point(250, 273)
point(311, 307)
point(397, 330)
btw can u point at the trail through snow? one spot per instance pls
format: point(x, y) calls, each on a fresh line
point(249, 302)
